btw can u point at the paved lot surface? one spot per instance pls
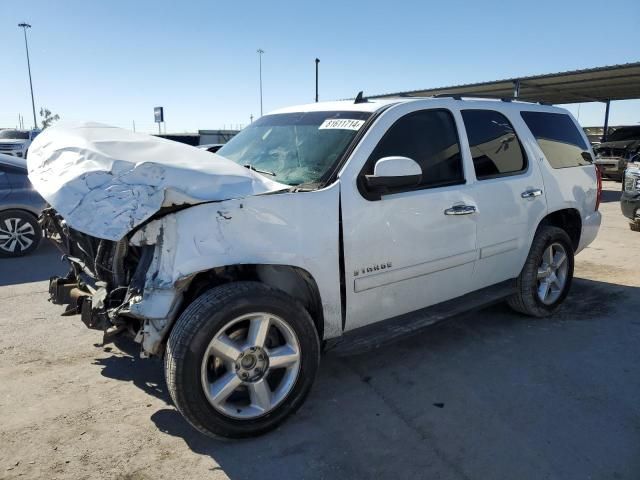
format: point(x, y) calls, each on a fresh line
point(489, 395)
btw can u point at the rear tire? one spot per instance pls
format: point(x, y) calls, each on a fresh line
point(234, 338)
point(20, 233)
point(542, 285)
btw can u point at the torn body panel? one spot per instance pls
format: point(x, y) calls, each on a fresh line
point(291, 229)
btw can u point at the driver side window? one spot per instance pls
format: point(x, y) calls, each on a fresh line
point(430, 138)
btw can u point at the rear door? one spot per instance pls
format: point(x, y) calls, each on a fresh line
point(508, 190)
point(568, 171)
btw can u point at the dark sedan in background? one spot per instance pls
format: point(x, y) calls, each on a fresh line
point(20, 206)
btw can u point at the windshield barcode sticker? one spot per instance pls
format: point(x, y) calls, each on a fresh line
point(342, 124)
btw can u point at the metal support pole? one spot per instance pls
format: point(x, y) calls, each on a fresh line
point(516, 88)
point(317, 62)
point(606, 122)
point(26, 45)
point(260, 52)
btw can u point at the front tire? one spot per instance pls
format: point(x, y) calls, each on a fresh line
point(545, 279)
point(241, 359)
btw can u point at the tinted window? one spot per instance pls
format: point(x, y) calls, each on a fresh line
point(495, 147)
point(14, 134)
point(558, 138)
point(430, 138)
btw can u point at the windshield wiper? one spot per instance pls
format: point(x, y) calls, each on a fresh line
point(251, 167)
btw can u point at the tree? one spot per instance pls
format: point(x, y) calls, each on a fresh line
point(47, 117)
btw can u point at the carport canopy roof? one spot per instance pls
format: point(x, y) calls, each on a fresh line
point(616, 82)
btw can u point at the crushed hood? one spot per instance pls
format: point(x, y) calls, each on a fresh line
point(105, 181)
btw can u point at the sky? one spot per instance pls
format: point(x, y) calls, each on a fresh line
point(112, 61)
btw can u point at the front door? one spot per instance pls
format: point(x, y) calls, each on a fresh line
point(409, 248)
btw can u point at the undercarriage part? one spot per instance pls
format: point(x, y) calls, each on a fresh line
point(60, 290)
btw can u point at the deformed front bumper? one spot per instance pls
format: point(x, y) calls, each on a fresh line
point(79, 299)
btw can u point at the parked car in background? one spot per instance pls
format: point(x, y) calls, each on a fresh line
point(212, 147)
point(630, 200)
point(20, 206)
point(620, 148)
point(16, 142)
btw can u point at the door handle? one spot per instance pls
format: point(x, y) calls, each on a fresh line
point(535, 192)
point(461, 210)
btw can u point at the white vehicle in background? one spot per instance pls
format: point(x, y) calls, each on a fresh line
point(312, 225)
point(16, 142)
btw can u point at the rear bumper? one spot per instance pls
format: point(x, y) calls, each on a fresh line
point(590, 227)
point(630, 204)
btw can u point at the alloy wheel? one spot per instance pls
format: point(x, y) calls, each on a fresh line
point(552, 273)
point(250, 365)
point(16, 235)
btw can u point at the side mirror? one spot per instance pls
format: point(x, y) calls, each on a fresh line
point(394, 172)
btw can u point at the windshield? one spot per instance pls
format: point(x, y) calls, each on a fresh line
point(14, 135)
point(625, 133)
point(294, 148)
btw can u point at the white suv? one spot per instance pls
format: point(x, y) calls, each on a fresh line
point(312, 222)
point(16, 142)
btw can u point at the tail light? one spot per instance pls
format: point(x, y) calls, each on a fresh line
point(599, 192)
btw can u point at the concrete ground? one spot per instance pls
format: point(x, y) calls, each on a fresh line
point(489, 395)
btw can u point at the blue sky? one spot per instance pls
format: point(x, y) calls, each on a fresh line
point(113, 61)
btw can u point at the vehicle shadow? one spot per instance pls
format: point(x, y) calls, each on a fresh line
point(490, 394)
point(126, 365)
point(610, 196)
point(40, 265)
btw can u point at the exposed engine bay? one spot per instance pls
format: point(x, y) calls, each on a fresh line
point(104, 276)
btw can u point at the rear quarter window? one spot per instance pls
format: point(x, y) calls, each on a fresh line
point(558, 138)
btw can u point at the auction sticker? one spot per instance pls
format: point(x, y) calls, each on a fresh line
point(341, 124)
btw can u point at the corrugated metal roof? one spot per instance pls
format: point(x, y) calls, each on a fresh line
point(615, 82)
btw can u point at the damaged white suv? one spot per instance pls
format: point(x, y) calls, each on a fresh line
point(313, 222)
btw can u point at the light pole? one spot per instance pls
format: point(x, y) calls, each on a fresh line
point(24, 27)
point(317, 62)
point(260, 52)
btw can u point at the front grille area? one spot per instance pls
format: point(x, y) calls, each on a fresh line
point(631, 183)
point(9, 146)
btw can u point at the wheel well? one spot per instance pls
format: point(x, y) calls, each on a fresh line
point(21, 210)
point(294, 281)
point(567, 219)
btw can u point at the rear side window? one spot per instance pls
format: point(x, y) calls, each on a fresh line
point(495, 147)
point(430, 138)
point(558, 138)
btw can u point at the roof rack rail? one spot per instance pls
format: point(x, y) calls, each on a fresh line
point(459, 96)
